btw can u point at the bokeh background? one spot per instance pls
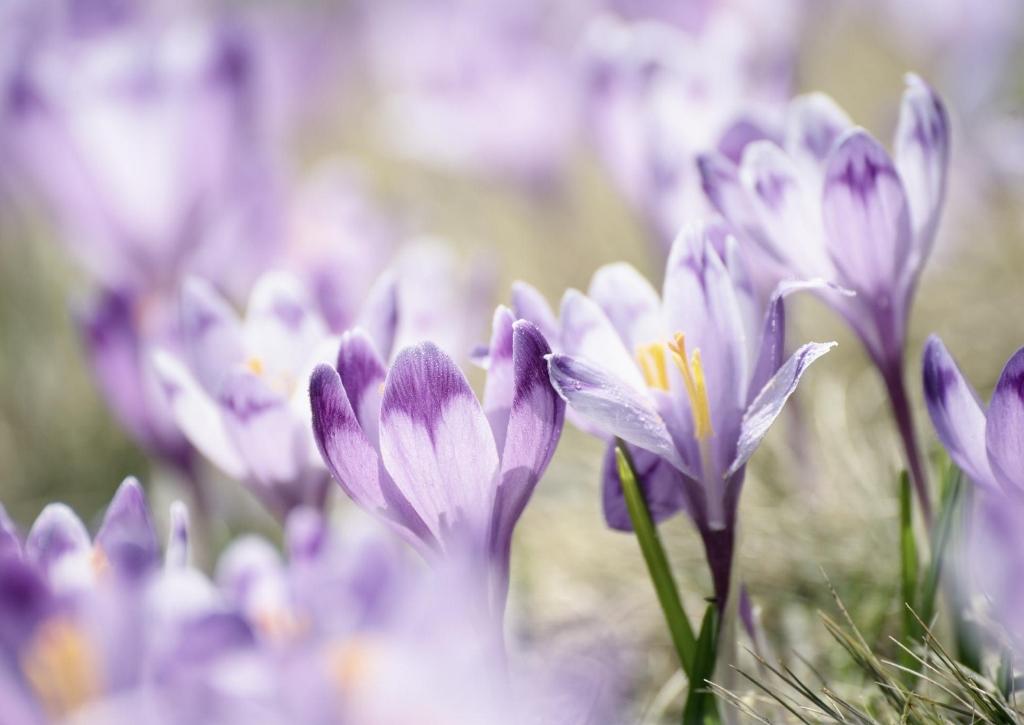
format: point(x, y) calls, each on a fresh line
point(820, 497)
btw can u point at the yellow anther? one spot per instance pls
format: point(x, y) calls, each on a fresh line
point(652, 363)
point(255, 366)
point(61, 667)
point(696, 388)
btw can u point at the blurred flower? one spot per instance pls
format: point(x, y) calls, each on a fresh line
point(833, 204)
point(237, 390)
point(687, 380)
point(414, 446)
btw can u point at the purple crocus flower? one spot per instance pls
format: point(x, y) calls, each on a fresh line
point(236, 391)
point(690, 381)
point(413, 445)
point(832, 203)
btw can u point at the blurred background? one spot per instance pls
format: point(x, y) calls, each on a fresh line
point(522, 137)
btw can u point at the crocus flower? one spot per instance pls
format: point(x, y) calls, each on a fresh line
point(832, 203)
point(689, 381)
point(413, 445)
point(237, 392)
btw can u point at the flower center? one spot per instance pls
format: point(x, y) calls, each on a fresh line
point(61, 667)
point(696, 388)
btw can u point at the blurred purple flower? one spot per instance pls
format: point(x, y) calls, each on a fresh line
point(692, 381)
point(237, 389)
point(833, 204)
point(412, 444)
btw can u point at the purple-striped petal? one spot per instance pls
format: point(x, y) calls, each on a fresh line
point(922, 157)
point(211, 333)
point(260, 423)
point(956, 412)
point(529, 304)
point(630, 303)
point(1004, 432)
point(867, 222)
point(500, 386)
point(534, 427)
point(127, 538)
point(720, 180)
point(589, 335)
point(612, 405)
point(814, 123)
point(362, 373)
point(58, 543)
point(437, 445)
point(662, 486)
point(281, 324)
point(766, 407)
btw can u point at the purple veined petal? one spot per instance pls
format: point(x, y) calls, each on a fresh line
point(660, 482)
point(438, 447)
point(922, 157)
point(211, 332)
point(588, 334)
point(10, 542)
point(352, 459)
point(740, 134)
point(25, 600)
point(177, 555)
point(59, 544)
point(379, 316)
point(362, 373)
point(785, 208)
point(1004, 432)
point(127, 538)
point(281, 325)
point(630, 303)
point(766, 407)
point(534, 427)
point(612, 405)
point(867, 222)
point(500, 386)
point(198, 416)
point(720, 180)
point(260, 423)
point(956, 412)
point(529, 304)
point(814, 123)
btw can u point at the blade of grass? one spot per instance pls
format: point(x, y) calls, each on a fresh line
point(700, 702)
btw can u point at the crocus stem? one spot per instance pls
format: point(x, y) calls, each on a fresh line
point(895, 384)
point(656, 560)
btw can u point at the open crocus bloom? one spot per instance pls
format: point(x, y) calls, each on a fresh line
point(238, 392)
point(687, 380)
point(414, 446)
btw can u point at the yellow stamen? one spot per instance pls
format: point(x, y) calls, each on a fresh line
point(652, 363)
point(255, 365)
point(696, 388)
point(350, 662)
point(61, 667)
point(99, 561)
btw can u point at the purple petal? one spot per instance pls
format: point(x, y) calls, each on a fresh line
point(662, 486)
point(177, 554)
point(362, 373)
point(867, 222)
point(534, 427)
point(529, 304)
point(58, 536)
point(721, 183)
point(922, 157)
point(10, 542)
point(770, 401)
point(281, 323)
point(25, 600)
point(126, 536)
point(500, 386)
point(814, 122)
point(379, 316)
point(588, 334)
point(1004, 433)
point(211, 331)
point(437, 445)
point(614, 406)
point(956, 412)
point(260, 423)
point(630, 303)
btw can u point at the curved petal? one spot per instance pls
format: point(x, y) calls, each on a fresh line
point(956, 412)
point(127, 537)
point(499, 388)
point(867, 222)
point(720, 180)
point(379, 316)
point(1004, 432)
point(770, 401)
point(211, 333)
point(662, 486)
point(588, 334)
point(437, 445)
point(814, 122)
point(10, 543)
point(362, 373)
point(260, 423)
point(281, 324)
point(177, 555)
point(922, 157)
point(613, 406)
point(58, 543)
point(529, 304)
point(630, 302)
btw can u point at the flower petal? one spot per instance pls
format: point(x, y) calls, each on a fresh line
point(379, 316)
point(10, 543)
point(867, 222)
point(662, 486)
point(529, 304)
point(589, 335)
point(437, 445)
point(956, 412)
point(177, 555)
point(59, 545)
point(211, 332)
point(720, 180)
point(614, 406)
point(770, 401)
point(922, 157)
point(362, 373)
point(499, 388)
point(1004, 433)
point(630, 303)
point(127, 537)
point(814, 122)
point(281, 324)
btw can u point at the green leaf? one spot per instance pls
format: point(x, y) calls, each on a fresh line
point(908, 563)
point(700, 701)
point(657, 562)
point(952, 487)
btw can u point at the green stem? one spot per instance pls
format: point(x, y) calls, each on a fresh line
point(657, 563)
